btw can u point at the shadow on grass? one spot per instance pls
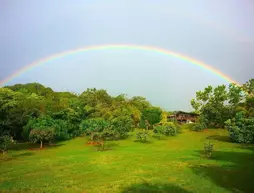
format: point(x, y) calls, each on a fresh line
point(236, 174)
point(29, 146)
point(145, 142)
point(23, 154)
point(8, 157)
point(154, 188)
point(159, 138)
point(219, 138)
point(249, 147)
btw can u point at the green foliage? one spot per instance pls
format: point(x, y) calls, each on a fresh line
point(241, 128)
point(32, 88)
point(140, 103)
point(62, 129)
point(167, 129)
point(117, 128)
point(121, 126)
point(198, 127)
point(208, 147)
point(218, 104)
point(93, 125)
point(24, 107)
point(41, 135)
point(152, 115)
point(15, 111)
point(142, 136)
point(249, 86)
point(6, 141)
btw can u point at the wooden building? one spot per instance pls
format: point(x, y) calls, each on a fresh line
point(183, 117)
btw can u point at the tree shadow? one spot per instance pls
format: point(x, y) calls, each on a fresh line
point(111, 144)
point(9, 157)
point(31, 146)
point(235, 172)
point(160, 137)
point(145, 142)
point(154, 188)
point(219, 138)
point(249, 147)
point(23, 154)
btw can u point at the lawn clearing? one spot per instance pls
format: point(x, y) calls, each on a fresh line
point(173, 164)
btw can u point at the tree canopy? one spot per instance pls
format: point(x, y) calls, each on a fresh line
point(27, 110)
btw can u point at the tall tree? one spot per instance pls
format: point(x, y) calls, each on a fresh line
point(217, 104)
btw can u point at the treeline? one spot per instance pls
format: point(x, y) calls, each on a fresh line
point(229, 107)
point(34, 112)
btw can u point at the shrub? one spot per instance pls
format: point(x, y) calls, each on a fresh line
point(142, 136)
point(6, 142)
point(241, 128)
point(120, 126)
point(208, 146)
point(170, 129)
point(167, 129)
point(198, 127)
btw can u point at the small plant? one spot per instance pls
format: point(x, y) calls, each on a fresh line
point(142, 136)
point(6, 142)
point(167, 129)
point(208, 146)
point(198, 127)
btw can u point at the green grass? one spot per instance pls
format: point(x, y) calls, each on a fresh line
point(173, 164)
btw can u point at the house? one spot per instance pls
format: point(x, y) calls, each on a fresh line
point(183, 117)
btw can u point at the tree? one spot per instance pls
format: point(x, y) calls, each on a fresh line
point(94, 125)
point(249, 86)
point(121, 126)
point(41, 135)
point(152, 115)
point(241, 128)
point(249, 103)
point(218, 104)
point(140, 102)
point(62, 128)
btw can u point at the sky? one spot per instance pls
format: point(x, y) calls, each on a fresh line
point(218, 33)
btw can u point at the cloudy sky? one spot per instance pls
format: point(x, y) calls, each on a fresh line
point(219, 33)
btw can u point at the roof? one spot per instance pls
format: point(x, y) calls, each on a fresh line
point(186, 113)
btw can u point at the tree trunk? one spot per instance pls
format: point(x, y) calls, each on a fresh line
point(41, 145)
point(102, 145)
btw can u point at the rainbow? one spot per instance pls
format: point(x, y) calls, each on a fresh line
point(161, 51)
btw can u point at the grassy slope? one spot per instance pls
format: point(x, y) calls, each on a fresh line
point(171, 165)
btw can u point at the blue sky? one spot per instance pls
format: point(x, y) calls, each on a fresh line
point(220, 33)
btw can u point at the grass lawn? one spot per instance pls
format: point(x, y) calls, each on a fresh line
point(173, 164)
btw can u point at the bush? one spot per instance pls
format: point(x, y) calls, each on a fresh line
point(6, 142)
point(241, 128)
point(120, 126)
point(167, 129)
point(198, 127)
point(142, 136)
point(208, 146)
